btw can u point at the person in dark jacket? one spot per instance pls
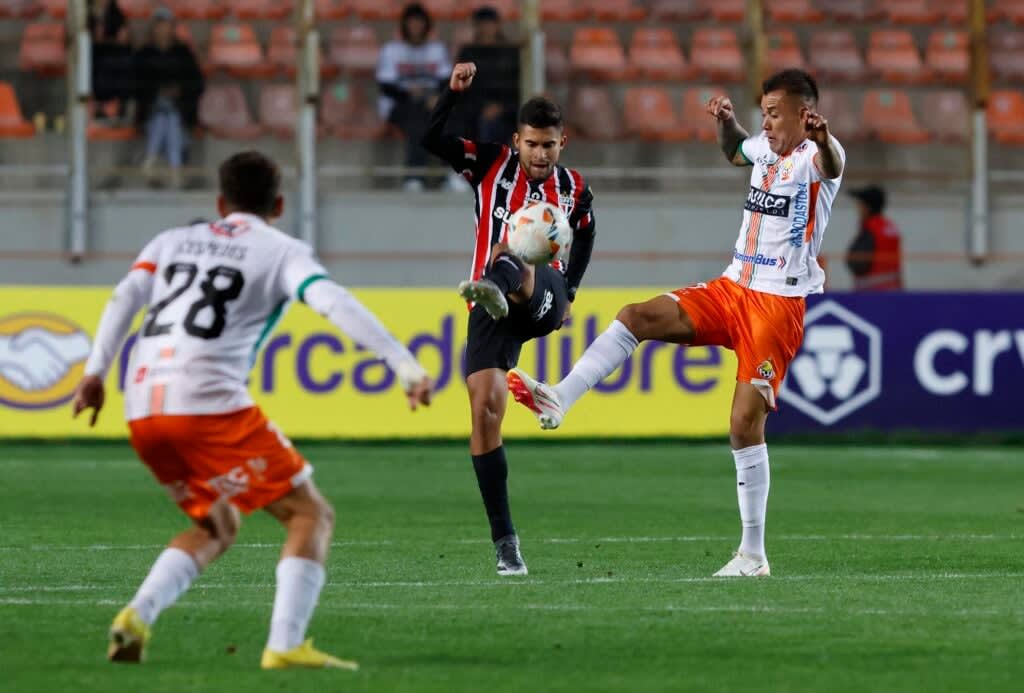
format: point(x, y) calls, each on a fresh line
point(111, 53)
point(169, 86)
point(875, 255)
point(490, 108)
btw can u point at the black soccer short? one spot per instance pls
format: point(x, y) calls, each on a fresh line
point(497, 343)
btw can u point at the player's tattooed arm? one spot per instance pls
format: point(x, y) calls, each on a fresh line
point(730, 133)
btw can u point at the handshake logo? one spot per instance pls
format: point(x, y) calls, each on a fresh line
point(42, 356)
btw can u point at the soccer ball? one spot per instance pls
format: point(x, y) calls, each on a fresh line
point(539, 233)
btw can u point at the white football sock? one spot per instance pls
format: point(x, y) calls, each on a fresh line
point(752, 481)
point(299, 581)
point(171, 574)
point(609, 351)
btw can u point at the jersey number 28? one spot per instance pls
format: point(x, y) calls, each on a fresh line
point(213, 299)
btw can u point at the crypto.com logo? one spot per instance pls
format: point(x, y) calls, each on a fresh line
point(42, 357)
point(839, 367)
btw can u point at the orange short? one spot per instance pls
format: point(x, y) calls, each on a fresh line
point(201, 459)
point(764, 330)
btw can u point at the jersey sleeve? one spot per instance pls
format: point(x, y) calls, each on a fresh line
point(148, 259)
point(582, 214)
point(299, 270)
point(753, 147)
point(816, 175)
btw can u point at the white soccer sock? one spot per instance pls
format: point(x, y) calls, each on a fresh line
point(171, 574)
point(299, 581)
point(609, 351)
point(752, 482)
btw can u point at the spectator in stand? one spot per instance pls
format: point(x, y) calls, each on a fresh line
point(169, 86)
point(491, 106)
point(111, 54)
point(874, 256)
point(411, 72)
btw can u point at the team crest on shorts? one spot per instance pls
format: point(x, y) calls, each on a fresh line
point(766, 370)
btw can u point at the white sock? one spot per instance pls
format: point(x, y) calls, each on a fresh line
point(752, 482)
point(171, 574)
point(299, 581)
point(609, 351)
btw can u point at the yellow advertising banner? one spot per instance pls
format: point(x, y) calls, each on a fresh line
point(314, 382)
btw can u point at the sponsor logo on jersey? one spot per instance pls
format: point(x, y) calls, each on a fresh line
point(502, 214)
point(796, 231)
point(42, 358)
point(766, 203)
point(759, 259)
point(545, 306)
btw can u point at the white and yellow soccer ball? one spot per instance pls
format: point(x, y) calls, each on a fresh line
point(539, 233)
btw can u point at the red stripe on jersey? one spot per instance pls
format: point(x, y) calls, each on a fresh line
point(485, 216)
point(469, 149)
point(146, 266)
point(550, 189)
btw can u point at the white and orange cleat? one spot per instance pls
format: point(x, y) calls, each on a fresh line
point(537, 397)
point(745, 565)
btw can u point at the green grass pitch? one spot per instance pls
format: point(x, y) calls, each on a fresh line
point(895, 569)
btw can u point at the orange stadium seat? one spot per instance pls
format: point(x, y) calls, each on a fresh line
point(508, 9)
point(945, 115)
point(354, 49)
point(597, 53)
point(844, 119)
point(1006, 55)
point(446, 9)
point(225, 114)
point(794, 11)
point(332, 9)
point(261, 9)
point(137, 9)
point(346, 113)
point(20, 9)
point(851, 10)
point(282, 53)
point(593, 115)
point(947, 55)
point(889, 117)
point(953, 11)
point(100, 131)
point(278, 109)
point(678, 10)
point(654, 53)
point(894, 56)
point(235, 49)
point(376, 9)
point(614, 10)
point(911, 12)
point(12, 122)
point(650, 115)
point(783, 50)
point(1006, 116)
point(835, 56)
point(42, 49)
point(562, 11)
point(58, 9)
point(1007, 10)
point(727, 10)
point(198, 9)
point(701, 124)
point(556, 61)
point(716, 54)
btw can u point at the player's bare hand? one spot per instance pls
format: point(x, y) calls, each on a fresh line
point(89, 395)
point(462, 76)
point(568, 315)
point(816, 127)
point(721, 108)
point(420, 394)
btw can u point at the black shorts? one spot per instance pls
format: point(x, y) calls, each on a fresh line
point(497, 343)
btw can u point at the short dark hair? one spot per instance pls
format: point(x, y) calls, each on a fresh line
point(540, 112)
point(414, 9)
point(792, 81)
point(250, 182)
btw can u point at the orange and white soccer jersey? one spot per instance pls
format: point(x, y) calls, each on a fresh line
point(215, 291)
point(784, 218)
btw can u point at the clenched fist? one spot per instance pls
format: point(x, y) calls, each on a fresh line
point(462, 76)
point(721, 108)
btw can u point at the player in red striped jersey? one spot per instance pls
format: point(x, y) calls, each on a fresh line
point(511, 302)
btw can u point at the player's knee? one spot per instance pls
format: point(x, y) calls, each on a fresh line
point(636, 318)
point(746, 428)
point(325, 516)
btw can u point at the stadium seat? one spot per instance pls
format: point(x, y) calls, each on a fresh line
point(851, 10)
point(593, 115)
point(278, 110)
point(556, 61)
point(508, 9)
point(376, 9)
point(1007, 10)
point(945, 115)
point(597, 53)
point(947, 55)
point(261, 9)
point(235, 49)
point(953, 11)
point(888, 117)
point(198, 9)
point(654, 53)
point(347, 113)
point(20, 9)
point(58, 9)
point(224, 113)
point(137, 9)
point(332, 9)
point(894, 56)
point(716, 54)
point(694, 114)
point(12, 122)
point(354, 49)
point(727, 10)
point(1006, 116)
point(835, 56)
point(650, 115)
point(783, 50)
point(794, 11)
point(562, 11)
point(42, 49)
point(614, 10)
point(678, 10)
point(446, 9)
point(911, 12)
point(1006, 55)
point(282, 53)
point(844, 119)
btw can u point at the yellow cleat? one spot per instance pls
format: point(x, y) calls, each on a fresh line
point(305, 655)
point(128, 637)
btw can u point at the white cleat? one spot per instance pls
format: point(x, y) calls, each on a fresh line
point(745, 565)
point(537, 397)
point(487, 294)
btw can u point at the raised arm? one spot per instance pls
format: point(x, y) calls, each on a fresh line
point(730, 133)
point(829, 158)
